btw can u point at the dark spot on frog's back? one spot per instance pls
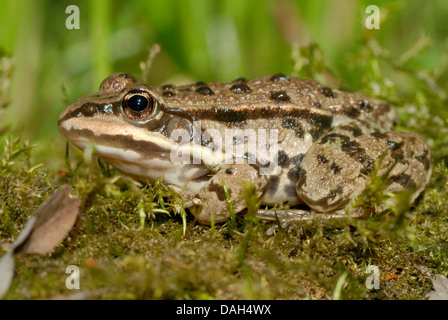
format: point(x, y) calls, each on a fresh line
point(340, 189)
point(273, 184)
point(291, 123)
point(353, 149)
point(424, 159)
point(322, 159)
point(379, 135)
point(335, 168)
point(352, 112)
point(280, 96)
point(299, 176)
point(404, 180)
point(353, 129)
point(316, 119)
point(327, 92)
point(240, 88)
point(295, 173)
point(206, 91)
point(279, 77)
point(394, 145)
point(296, 160)
point(365, 106)
point(283, 159)
point(316, 133)
point(349, 111)
point(334, 192)
point(412, 140)
point(168, 94)
point(397, 153)
point(334, 137)
point(356, 152)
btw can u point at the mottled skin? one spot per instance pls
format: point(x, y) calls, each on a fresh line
point(328, 141)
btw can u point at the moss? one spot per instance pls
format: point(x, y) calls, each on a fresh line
point(131, 242)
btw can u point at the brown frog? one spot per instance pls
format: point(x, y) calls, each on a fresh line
point(300, 143)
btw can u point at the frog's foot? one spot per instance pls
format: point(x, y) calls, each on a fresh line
point(337, 167)
point(213, 202)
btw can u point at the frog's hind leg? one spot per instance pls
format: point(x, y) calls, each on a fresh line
point(337, 167)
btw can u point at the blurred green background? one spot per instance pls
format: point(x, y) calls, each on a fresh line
point(200, 39)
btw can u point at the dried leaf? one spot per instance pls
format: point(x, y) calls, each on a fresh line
point(24, 234)
point(43, 232)
point(7, 262)
point(53, 220)
point(7, 265)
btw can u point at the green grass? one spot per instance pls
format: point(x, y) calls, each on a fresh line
point(127, 245)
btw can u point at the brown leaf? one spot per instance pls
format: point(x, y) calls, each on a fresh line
point(53, 220)
point(42, 233)
point(7, 265)
point(7, 262)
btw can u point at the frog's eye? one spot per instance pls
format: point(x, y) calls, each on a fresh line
point(138, 105)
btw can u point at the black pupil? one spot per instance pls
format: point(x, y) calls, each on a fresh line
point(138, 103)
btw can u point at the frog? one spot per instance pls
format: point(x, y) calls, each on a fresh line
point(321, 145)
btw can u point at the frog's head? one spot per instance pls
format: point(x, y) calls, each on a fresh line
point(129, 126)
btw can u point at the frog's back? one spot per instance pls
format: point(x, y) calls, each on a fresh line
point(273, 96)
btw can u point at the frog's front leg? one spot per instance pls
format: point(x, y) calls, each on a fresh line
point(213, 200)
point(336, 168)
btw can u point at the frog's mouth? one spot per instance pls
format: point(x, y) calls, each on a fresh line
point(140, 153)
